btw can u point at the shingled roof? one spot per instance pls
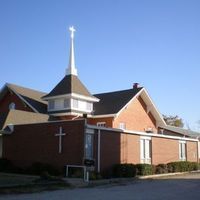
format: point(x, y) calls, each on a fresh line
point(113, 102)
point(30, 96)
point(69, 84)
point(12, 117)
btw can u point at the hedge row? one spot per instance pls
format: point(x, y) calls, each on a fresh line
point(131, 170)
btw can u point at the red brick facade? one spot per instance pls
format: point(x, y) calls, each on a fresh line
point(10, 97)
point(38, 143)
point(119, 147)
point(135, 117)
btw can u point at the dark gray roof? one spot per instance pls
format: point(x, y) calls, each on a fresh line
point(33, 97)
point(113, 102)
point(69, 84)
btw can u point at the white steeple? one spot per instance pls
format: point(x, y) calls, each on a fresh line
point(71, 67)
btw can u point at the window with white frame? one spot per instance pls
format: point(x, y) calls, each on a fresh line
point(75, 103)
point(101, 124)
point(182, 150)
point(51, 104)
point(145, 150)
point(89, 106)
point(66, 103)
point(12, 106)
point(122, 125)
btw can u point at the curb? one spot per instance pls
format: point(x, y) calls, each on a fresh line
point(165, 175)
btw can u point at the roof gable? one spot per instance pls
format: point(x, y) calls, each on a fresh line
point(68, 85)
point(113, 102)
point(30, 97)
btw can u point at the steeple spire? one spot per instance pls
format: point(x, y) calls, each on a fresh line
point(71, 67)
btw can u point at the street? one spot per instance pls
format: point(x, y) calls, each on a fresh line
point(183, 187)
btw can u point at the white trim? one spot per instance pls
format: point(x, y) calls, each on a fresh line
point(70, 113)
point(23, 99)
point(104, 116)
point(142, 133)
point(181, 150)
point(73, 95)
point(127, 104)
point(145, 150)
point(152, 106)
point(159, 119)
point(145, 138)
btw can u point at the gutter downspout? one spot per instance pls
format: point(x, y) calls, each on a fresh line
point(99, 151)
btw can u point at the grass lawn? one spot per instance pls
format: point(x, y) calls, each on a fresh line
point(12, 183)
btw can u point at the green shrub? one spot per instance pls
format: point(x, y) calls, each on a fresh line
point(124, 170)
point(39, 168)
point(161, 169)
point(182, 166)
point(144, 169)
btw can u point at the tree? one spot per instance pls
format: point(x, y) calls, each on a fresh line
point(173, 120)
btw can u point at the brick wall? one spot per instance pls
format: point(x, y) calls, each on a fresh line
point(130, 148)
point(164, 150)
point(192, 154)
point(125, 148)
point(9, 98)
point(108, 120)
point(135, 116)
point(38, 143)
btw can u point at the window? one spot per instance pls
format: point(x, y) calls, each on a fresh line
point(88, 106)
point(51, 104)
point(89, 146)
point(122, 125)
point(101, 124)
point(182, 150)
point(75, 103)
point(145, 150)
point(12, 106)
point(66, 103)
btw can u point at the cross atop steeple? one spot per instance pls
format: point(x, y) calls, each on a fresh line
point(71, 67)
point(72, 30)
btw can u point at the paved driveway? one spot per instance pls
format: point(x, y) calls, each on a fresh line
point(181, 187)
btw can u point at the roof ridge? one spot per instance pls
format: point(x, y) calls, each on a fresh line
point(22, 87)
point(117, 91)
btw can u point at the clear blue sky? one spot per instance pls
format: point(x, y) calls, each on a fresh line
point(117, 43)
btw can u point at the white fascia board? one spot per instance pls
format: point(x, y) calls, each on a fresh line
point(130, 102)
point(150, 103)
point(141, 133)
point(23, 99)
point(69, 113)
point(104, 116)
point(73, 95)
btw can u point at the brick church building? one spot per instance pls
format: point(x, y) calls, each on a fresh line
point(69, 126)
